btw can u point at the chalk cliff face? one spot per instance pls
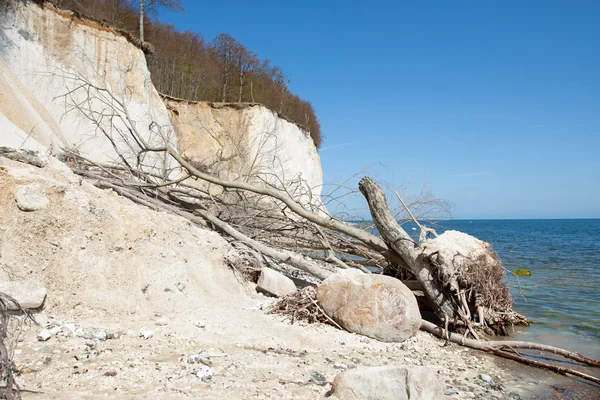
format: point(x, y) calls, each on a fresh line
point(245, 141)
point(70, 83)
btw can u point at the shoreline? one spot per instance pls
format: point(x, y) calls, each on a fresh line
point(546, 385)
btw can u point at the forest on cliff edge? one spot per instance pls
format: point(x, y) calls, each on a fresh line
point(184, 65)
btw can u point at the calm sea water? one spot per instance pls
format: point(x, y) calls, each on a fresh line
point(562, 296)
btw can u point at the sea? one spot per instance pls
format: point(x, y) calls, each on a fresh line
point(561, 297)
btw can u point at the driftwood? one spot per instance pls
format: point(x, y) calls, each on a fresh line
point(283, 256)
point(497, 348)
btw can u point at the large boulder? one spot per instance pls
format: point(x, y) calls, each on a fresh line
point(274, 283)
point(388, 383)
point(377, 306)
point(28, 294)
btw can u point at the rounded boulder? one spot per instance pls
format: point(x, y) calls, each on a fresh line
point(377, 306)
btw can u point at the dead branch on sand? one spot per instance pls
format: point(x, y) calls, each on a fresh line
point(498, 348)
point(10, 326)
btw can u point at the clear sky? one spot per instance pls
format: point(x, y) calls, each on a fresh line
point(494, 104)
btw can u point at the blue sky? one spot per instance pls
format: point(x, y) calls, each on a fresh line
point(494, 104)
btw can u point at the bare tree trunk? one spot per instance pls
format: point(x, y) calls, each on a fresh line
point(142, 20)
point(401, 243)
point(252, 89)
point(241, 86)
point(225, 87)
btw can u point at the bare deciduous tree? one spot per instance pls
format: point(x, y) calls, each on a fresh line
point(147, 6)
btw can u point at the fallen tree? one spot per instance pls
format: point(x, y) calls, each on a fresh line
point(282, 219)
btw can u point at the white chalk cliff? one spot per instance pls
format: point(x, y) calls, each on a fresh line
point(56, 69)
point(70, 83)
point(242, 141)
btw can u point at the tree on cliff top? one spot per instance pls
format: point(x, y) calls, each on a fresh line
point(147, 6)
point(184, 66)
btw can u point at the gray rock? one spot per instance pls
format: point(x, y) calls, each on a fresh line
point(486, 378)
point(67, 330)
point(274, 283)
point(318, 379)
point(31, 197)
point(388, 383)
point(100, 335)
point(377, 306)
point(449, 391)
point(201, 357)
point(205, 373)
point(28, 294)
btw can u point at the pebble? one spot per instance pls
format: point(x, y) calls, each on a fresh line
point(44, 335)
point(161, 322)
point(67, 330)
point(200, 324)
point(80, 333)
point(486, 378)
point(205, 373)
point(145, 333)
point(318, 379)
point(100, 335)
point(449, 391)
point(200, 358)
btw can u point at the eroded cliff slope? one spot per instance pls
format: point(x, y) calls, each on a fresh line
point(69, 83)
point(73, 84)
point(245, 141)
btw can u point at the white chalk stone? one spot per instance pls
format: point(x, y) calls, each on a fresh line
point(29, 295)
point(31, 197)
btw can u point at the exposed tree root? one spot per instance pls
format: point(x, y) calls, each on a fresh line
point(461, 276)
